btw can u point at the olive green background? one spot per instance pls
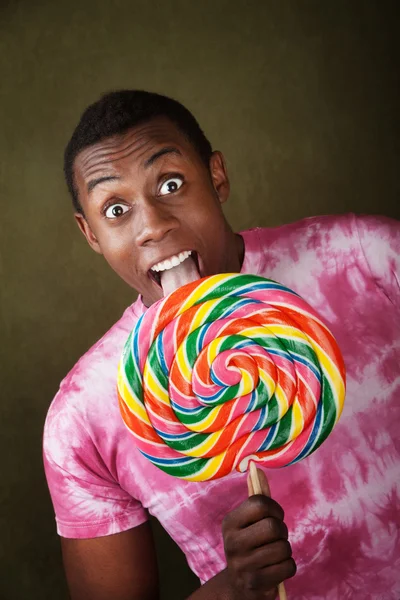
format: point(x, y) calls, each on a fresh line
point(301, 97)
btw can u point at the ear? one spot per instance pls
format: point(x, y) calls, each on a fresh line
point(219, 176)
point(87, 232)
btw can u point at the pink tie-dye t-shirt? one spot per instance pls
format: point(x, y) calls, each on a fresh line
point(342, 503)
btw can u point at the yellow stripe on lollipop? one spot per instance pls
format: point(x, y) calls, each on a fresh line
point(183, 364)
point(333, 375)
point(268, 381)
point(211, 467)
point(213, 349)
point(151, 383)
point(206, 422)
point(287, 332)
point(202, 313)
point(206, 445)
point(130, 400)
point(297, 420)
point(246, 385)
point(256, 330)
point(282, 399)
point(203, 288)
point(272, 330)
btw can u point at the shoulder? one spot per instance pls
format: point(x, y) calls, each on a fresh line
point(309, 228)
point(378, 231)
point(332, 234)
point(89, 388)
point(347, 225)
point(328, 251)
point(286, 247)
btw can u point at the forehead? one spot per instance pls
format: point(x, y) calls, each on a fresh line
point(135, 144)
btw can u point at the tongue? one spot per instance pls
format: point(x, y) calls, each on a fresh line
point(177, 276)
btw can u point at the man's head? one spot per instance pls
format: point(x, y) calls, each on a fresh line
point(147, 188)
point(117, 112)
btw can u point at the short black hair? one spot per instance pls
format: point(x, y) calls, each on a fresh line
point(118, 111)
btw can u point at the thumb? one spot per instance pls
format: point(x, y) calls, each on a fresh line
point(262, 478)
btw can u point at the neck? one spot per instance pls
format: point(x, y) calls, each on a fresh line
point(239, 248)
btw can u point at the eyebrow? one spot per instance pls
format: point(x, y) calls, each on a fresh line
point(92, 184)
point(149, 162)
point(168, 150)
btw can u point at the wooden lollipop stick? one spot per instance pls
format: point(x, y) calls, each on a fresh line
point(255, 488)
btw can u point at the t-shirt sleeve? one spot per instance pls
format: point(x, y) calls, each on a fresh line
point(87, 500)
point(380, 244)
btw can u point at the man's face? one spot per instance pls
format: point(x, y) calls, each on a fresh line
point(147, 197)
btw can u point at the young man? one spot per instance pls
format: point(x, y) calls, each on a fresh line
point(147, 190)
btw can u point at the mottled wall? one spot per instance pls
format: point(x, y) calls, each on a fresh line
point(301, 97)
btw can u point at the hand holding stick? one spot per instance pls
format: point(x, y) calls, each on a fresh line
point(254, 487)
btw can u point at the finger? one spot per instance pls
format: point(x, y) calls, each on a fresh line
point(274, 575)
point(266, 556)
point(260, 507)
point(262, 478)
point(251, 511)
point(261, 534)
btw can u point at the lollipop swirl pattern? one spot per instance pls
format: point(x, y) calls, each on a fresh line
point(227, 369)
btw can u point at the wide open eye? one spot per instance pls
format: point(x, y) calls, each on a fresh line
point(116, 210)
point(171, 185)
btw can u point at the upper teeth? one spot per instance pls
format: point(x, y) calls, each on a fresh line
point(174, 261)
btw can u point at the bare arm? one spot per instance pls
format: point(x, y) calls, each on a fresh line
point(122, 566)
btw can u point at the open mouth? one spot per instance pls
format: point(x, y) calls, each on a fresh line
point(156, 277)
point(156, 271)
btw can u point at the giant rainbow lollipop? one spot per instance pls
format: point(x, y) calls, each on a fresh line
point(228, 369)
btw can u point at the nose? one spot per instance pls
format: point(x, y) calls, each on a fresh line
point(154, 223)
